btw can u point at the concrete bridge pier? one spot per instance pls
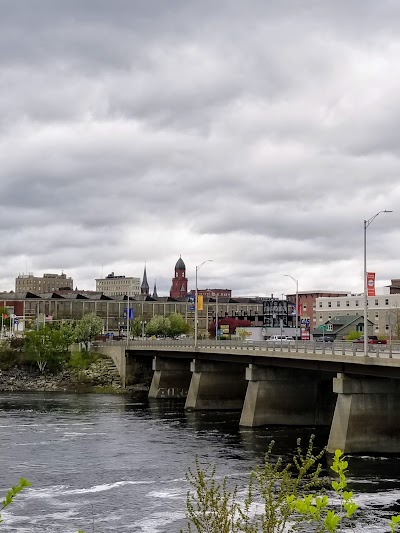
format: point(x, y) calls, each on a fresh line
point(287, 396)
point(367, 415)
point(171, 378)
point(216, 385)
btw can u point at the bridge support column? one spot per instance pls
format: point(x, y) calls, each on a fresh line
point(287, 397)
point(367, 415)
point(216, 386)
point(171, 378)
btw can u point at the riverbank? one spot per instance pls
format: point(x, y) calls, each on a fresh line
point(100, 377)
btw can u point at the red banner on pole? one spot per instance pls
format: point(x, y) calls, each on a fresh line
point(371, 283)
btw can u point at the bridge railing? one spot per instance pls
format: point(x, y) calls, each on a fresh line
point(311, 346)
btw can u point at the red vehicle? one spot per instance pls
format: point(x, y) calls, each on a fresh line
point(372, 339)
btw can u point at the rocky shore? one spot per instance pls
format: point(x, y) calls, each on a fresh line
point(101, 376)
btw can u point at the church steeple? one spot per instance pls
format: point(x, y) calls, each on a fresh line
point(155, 295)
point(144, 288)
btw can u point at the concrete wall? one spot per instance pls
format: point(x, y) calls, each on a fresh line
point(171, 378)
point(216, 386)
point(287, 397)
point(367, 415)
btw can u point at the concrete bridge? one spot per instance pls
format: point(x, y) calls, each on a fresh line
point(301, 384)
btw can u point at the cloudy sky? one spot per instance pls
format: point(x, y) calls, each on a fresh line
point(257, 134)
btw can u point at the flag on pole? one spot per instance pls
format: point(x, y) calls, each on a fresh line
point(200, 302)
point(371, 283)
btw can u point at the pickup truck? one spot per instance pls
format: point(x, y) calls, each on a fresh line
point(372, 339)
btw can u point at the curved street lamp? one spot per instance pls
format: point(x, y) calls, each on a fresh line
point(195, 304)
point(366, 224)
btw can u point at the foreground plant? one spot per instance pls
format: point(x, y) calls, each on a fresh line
point(214, 508)
point(13, 492)
point(291, 497)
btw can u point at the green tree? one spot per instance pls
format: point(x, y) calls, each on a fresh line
point(353, 335)
point(158, 325)
point(87, 329)
point(5, 317)
point(178, 325)
point(46, 347)
point(136, 326)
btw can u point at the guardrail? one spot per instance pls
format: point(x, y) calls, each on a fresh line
point(330, 348)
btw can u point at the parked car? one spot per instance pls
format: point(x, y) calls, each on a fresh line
point(372, 339)
point(325, 338)
point(280, 339)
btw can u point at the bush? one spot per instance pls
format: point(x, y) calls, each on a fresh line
point(279, 498)
point(82, 360)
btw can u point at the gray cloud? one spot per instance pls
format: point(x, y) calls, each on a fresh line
point(259, 136)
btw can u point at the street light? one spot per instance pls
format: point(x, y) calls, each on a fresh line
point(195, 304)
point(297, 303)
point(366, 224)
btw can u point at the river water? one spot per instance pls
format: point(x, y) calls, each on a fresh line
point(117, 463)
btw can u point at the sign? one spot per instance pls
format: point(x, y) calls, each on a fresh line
point(191, 307)
point(131, 314)
point(324, 327)
point(371, 283)
point(305, 335)
point(224, 328)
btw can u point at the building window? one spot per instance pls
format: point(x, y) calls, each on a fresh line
point(376, 315)
point(305, 307)
point(376, 301)
point(329, 327)
point(329, 316)
point(387, 327)
point(319, 304)
point(329, 304)
point(387, 301)
point(338, 304)
point(356, 303)
point(320, 318)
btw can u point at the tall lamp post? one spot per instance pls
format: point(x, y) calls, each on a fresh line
point(297, 303)
point(195, 304)
point(366, 224)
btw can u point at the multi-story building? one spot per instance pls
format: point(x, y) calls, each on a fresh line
point(113, 285)
point(212, 293)
point(307, 303)
point(383, 311)
point(40, 285)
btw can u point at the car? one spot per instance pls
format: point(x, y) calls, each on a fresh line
point(283, 340)
point(325, 338)
point(372, 339)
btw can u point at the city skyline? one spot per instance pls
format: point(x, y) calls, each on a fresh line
point(259, 137)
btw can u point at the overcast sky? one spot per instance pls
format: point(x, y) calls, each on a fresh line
point(257, 134)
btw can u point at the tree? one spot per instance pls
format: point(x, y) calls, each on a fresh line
point(5, 316)
point(233, 323)
point(178, 325)
point(158, 326)
point(87, 329)
point(46, 347)
point(136, 327)
point(353, 335)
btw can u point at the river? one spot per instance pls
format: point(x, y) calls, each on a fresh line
point(109, 463)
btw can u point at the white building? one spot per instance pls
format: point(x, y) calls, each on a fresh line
point(383, 311)
point(113, 285)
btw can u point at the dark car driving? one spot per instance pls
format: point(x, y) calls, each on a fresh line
point(325, 338)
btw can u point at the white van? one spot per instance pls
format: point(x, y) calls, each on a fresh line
point(281, 339)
